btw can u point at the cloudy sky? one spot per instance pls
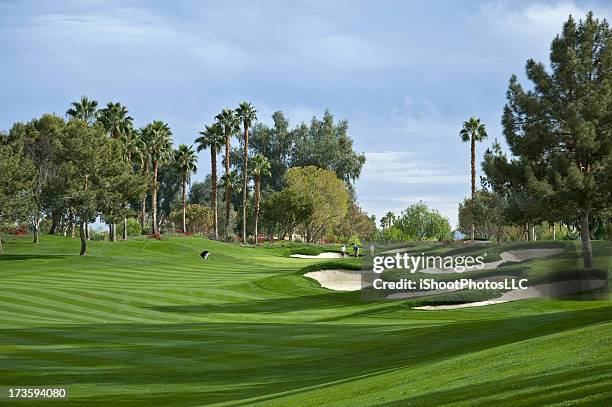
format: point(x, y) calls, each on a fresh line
point(404, 74)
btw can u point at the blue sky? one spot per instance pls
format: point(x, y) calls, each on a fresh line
point(404, 74)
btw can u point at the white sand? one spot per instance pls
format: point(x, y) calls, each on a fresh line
point(512, 255)
point(337, 280)
point(557, 289)
point(324, 255)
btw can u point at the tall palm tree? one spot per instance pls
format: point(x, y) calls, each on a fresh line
point(247, 115)
point(230, 124)
point(157, 137)
point(145, 156)
point(117, 122)
point(230, 182)
point(212, 137)
point(261, 168)
point(133, 150)
point(115, 119)
point(185, 162)
point(472, 131)
point(84, 109)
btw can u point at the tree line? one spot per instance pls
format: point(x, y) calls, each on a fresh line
point(95, 164)
point(559, 131)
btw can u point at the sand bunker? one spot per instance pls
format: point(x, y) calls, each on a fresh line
point(324, 255)
point(337, 280)
point(557, 289)
point(512, 255)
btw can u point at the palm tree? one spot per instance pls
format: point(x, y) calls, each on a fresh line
point(473, 130)
point(145, 156)
point(387, 220)
point(212, 137)
point(229, 123)
point(133, 148)
point(117, 123)
point(157, 137)
point(115, 119)
point(247, 115)
point(132, 145)
point(84, 109)
point(229, 182)
point(185, 162)
point(261, 168)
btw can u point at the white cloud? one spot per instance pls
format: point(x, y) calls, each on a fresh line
point(403, 167)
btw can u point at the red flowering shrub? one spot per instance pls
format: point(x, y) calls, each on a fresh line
point(21, 230)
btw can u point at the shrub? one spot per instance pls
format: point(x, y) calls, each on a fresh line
point(133, 228)
point(98, 234)
point(20, 230)
point(199, 218)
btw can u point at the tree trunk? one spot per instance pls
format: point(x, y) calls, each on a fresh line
point(83, 240)
point(125, 228)
point(554, 231)
point(86, 231)
point(228, 188)
point(184, 200)
point(143, 200)
point(154, 199)
point(257, 192)
point(473, 148)
point(143, 213)
point(245, 178)
point(111, 232)
point(213, 189)
point(585, 237)
point(36, 229)
point(473, 156)
point(73, 230)
point(55, 218)
point(0, 244)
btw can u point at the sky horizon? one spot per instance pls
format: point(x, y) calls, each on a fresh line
point(405, 76)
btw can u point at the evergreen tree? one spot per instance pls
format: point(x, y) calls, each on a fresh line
point(561, 131)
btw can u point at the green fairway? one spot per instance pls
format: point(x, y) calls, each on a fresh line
point(148, 322)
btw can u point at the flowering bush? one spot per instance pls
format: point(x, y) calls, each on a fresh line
point(21, 230)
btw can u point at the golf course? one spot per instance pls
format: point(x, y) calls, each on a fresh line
point(148, 322)
point(306, 203)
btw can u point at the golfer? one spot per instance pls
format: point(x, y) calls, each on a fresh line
point(343, 251)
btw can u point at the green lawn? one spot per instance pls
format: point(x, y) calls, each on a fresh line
point(148, 322)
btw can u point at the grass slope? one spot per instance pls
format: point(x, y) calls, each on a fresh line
point(149, 323)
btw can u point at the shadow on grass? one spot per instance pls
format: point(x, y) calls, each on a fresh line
point(265, 358)
point(276, 305)
point(539, 389)
point(16, 257)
